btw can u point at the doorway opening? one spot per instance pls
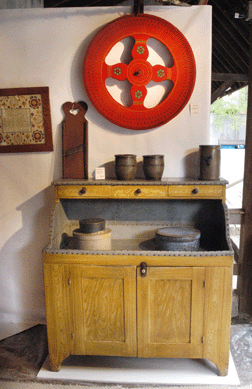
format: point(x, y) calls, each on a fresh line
point(228, 129)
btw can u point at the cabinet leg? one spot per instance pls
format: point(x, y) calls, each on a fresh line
point(222, 371)
point(222, 367)
point(55, 367)
point(55, 363)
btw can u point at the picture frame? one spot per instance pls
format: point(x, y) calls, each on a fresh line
point(25, 120)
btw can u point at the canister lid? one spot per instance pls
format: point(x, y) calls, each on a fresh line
point(91, 225)
point(178, 234)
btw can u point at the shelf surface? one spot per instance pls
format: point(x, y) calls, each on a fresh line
point(140, 181)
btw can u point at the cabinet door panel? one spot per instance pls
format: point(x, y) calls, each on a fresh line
point(173, 300)
point(170, 302)
point(104, 314)
point(105, 310)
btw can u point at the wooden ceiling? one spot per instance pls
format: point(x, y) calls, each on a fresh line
point(230, 37)
point(230, 50)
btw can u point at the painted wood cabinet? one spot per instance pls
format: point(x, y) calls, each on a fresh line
point(137, 303)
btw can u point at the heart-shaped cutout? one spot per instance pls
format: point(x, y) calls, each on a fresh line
point(74, 111)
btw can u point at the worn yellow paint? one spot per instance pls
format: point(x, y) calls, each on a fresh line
point(197, 191)
point(141, 192)
point(100, 304)
point(77, 191)
point(170, 312)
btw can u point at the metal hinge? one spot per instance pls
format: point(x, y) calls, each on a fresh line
point(69, 281)
point(204, 284)
point(202, 339)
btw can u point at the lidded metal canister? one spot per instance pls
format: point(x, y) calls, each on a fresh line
point(209, 162)
point(92, 235)
point(92, 225)
point(178, 239)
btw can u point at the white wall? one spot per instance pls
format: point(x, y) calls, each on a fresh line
point(46, 47)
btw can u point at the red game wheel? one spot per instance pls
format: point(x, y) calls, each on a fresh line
point(139, 72)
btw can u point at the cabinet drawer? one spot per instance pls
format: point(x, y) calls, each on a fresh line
point(82, 191)
point(141, 192)
point(194, 191)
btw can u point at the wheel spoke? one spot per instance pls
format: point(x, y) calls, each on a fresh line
point(140, 49)
point(138, 94)
point(117, 71)
point(161, 73)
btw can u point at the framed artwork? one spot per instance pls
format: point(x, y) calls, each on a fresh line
point(25, 120)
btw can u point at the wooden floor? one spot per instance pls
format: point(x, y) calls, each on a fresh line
point(22, 355)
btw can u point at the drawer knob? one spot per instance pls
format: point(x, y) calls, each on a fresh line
point(138, 191)
point(82, 191)
point(195, 191)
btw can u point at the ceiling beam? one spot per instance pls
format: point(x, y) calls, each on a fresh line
point(221, 90)
point(229, 76)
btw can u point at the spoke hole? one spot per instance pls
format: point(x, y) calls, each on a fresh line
point(121, 52)
point(157, 92)
point(120, 91)
point(159, 53)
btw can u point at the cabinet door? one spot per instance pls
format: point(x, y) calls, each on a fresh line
point(170, 312)
point(104, 310)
